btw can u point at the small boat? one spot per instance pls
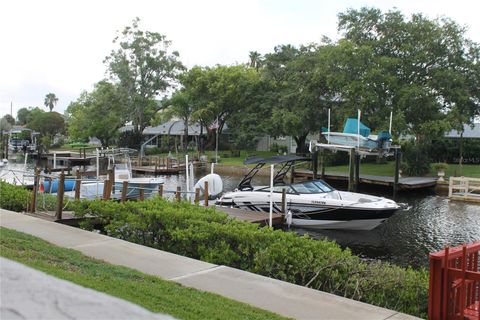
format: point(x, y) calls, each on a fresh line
point(312, 203)
point(354, 137)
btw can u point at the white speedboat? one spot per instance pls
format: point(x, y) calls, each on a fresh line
point(313, 203)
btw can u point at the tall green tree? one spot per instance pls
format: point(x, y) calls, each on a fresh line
point(48, 124)
point(218, 93)
point(144, 67)
point(296, 92)
point(255, 60)
point(97, 114)
point(50, 101)
point(429, 67)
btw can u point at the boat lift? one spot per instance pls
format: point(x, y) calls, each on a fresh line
point(355, 152)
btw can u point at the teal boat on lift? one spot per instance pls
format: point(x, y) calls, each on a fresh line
point(361, 138)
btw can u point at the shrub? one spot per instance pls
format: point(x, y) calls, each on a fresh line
point(417, 162)
point(440, 166)
point(209, 235)
point(13, 197)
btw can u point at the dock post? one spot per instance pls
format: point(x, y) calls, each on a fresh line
point(398, 159)
point(160, 190)
point(124, 191)
point(284, 201)
point(292, 177)
point(351, 168)
point(206, 193)
point(78, 183)
point(36, 181)
point(60, 191)
point(315, 164)
point(141, 195)
point(322, 163)
point(357, 172)
point(178, 194)
point(197, 195)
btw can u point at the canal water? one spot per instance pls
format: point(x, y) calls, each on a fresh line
point(430, 223)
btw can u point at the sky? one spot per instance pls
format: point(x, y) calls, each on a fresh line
point(59, 46)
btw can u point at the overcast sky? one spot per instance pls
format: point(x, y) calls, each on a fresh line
point(59, 46)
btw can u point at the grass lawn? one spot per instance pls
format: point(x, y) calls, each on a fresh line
point(387, 169)
point(150, 292)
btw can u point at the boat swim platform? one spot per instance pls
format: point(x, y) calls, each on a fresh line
point(405, 183)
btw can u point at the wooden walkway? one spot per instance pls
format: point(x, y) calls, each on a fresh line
point(156, 170)
point(251, 216)
point(407, 183)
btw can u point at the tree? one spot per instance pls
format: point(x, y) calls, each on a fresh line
point(295, 91)
point(217, 93)
point(9, 119)
point(144, 67)
point(255, 60)
point(97, 114)
point(179, 106)
point(22, 116)
point(50, 101)
point(48, 124)
point(427, 67)
point(5, 126)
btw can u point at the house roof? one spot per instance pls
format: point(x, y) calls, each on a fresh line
point(468, 132)
point(174, 127)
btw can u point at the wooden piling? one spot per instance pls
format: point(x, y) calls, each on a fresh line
point(322, 163)
point(178, 194)
point(160, 190)
point(315, 165)
point(124, 191)
point(284, 201)
point(197, 195)
point(357, 172)
point(60, 193)
point(206, 193)
point(398, 159)
point(351, 168)
point(141, 194)
point(36, 181)
point(78, 183)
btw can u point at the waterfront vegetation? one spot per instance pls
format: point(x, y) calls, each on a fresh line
point(209, 235)
point(150, 292)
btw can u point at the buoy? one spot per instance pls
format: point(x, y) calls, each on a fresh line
point(215, 184)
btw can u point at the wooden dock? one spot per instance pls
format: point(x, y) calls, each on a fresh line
point(156, 170)
point(406, 183)
point(251, 216)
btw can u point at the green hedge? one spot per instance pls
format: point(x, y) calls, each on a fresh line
point(13, 197)
point(211, 236)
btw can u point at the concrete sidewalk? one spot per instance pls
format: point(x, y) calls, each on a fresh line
point(277, 296)
point(27, 293)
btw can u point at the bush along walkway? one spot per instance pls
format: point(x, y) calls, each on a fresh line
point(277, 296)
point(211, 236)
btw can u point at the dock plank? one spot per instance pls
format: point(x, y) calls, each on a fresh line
point(404, 182)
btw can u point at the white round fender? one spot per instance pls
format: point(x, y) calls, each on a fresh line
point(215, 184)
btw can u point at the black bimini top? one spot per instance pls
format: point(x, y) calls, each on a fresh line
point(275, 159)
point(288, 161)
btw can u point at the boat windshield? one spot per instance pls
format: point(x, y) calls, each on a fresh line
point(316, 186)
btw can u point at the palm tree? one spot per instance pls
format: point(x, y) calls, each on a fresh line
point(50, 101)
point(255, 59)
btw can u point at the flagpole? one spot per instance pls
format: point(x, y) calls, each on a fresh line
point(216, 144)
